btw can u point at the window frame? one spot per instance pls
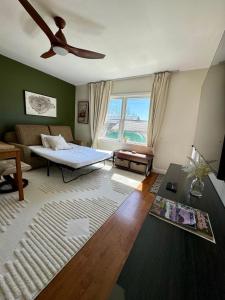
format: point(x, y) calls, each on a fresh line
point(124, 97)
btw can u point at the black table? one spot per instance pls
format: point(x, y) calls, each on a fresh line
point(169, 263)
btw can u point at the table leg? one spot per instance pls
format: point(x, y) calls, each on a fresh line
point(18, 177)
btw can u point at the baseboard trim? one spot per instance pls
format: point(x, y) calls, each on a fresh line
point(159, 171)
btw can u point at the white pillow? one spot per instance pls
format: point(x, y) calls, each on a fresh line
point(57, 142)
point(44, 141)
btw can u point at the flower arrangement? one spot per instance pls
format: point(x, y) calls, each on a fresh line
point(198, 169)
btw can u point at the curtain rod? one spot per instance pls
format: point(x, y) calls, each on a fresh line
point(139, 76)
point(133, 77)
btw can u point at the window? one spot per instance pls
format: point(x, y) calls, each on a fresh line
point(127, 119)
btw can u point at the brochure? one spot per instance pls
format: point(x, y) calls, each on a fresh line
point(183, 216)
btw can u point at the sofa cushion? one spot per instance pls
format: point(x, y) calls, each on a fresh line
point(65, 131)
point(31, 134)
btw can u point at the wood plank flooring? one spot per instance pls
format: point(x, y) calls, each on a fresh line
point(92, 273)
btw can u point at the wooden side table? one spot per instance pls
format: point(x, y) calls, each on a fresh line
point(10, 153)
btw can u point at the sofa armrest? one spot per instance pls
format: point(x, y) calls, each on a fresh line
point(30, 157)
point(25, 151)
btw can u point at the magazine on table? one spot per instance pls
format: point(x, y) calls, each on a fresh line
point(183, 216)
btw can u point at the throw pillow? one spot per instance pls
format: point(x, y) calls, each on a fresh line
point(57, 143)
point(44, 141)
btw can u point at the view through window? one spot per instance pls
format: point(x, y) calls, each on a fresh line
point(127, 119)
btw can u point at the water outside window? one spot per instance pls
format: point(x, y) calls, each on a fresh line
point(127, 119)
point(136, 120)
point(113, 118)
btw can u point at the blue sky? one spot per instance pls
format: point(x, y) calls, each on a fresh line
point(135, 107)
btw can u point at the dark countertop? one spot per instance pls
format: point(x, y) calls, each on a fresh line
point(168, 263)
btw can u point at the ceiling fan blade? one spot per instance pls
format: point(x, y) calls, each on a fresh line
point(84, 53)
point(60, 35)
point(38, 19)
point(48, 54)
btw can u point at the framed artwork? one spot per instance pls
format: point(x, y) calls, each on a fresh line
point(83, 112)
point(40, 105)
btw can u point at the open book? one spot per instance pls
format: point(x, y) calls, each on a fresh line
point(185, 217)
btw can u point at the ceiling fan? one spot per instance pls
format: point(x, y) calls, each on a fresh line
point(58, 41)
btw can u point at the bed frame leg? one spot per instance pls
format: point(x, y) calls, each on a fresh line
point(48, 168)
point(63, 177)
point(78, 176)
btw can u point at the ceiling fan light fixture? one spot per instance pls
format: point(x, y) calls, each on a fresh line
point(60, 50)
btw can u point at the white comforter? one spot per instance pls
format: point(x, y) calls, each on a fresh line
point(76, 157)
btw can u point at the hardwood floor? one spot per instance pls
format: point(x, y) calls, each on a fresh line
point(92, 273)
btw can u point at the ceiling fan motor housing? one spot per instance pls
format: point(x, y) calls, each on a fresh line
point(60, 22)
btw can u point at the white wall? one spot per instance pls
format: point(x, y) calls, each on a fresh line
point(82, 131)
point(133, 85)
point(219, 186)
point(211, 120)
point(211, 116)
point(178, 129)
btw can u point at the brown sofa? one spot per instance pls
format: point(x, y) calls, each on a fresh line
point(26, 135)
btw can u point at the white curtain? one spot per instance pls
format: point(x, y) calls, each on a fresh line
point(158, 106)
point(99, 94)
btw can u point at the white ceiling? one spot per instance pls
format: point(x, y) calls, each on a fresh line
point(138, 36)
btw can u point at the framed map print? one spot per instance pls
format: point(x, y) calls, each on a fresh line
point(40, 105)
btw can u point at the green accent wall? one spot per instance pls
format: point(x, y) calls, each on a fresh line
point(15, 78)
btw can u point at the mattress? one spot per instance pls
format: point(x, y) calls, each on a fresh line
point(76, 157)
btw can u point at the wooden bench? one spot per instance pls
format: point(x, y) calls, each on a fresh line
point(133, 161)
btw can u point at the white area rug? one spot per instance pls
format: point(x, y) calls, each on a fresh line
point(41, 234)
point(156, 185)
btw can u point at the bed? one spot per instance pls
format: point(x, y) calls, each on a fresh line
point(75, 158)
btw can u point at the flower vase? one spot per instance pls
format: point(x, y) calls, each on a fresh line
point(197, 187)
